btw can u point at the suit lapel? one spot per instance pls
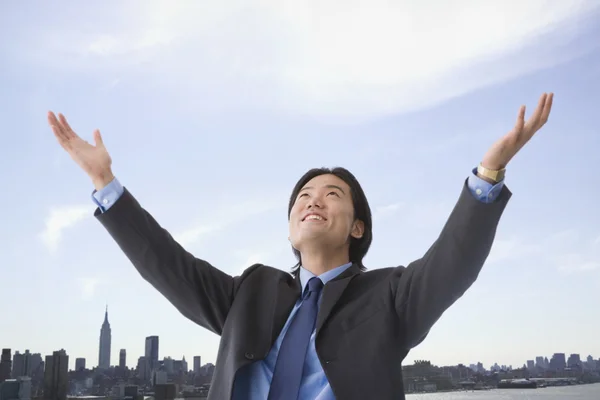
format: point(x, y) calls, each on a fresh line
point(288, 292)
point(332, 292)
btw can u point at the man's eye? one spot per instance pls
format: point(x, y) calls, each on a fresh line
point(303, 194)
point(334, 193)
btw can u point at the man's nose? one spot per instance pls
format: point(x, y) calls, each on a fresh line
point(315, 202)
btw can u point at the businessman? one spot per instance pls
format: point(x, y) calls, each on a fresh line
point(329, 329)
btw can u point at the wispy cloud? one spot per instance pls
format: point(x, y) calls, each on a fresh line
point(118, 45)
point(571, 252)
point(386, 211)
point(563, 250)
point(366, 58)
point(193, 234)
point(110, 85)
point(512, 249)
point(226, 216)
point(60, 219)
point(573, 263)
point(87, 287)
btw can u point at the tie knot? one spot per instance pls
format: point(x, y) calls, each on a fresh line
point(314, 285)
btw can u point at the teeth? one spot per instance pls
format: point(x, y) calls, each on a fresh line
point(315, 217)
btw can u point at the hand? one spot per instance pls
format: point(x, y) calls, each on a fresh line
point(501, 152)
point(94, 160)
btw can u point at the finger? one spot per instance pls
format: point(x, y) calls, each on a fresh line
point(51, 118)
point(98, 138)
point(533, 123)
point(547, 109)
point(520, 121)
point(67, 128)
point(56, 127)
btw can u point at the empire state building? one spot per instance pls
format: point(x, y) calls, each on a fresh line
point(105, 336)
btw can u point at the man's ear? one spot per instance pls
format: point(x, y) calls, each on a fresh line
point(358, 229)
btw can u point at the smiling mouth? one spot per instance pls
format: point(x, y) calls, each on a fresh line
point(314, 217)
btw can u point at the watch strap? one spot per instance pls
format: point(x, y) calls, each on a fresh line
point(494, 175)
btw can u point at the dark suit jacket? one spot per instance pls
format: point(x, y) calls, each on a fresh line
point(367, 321)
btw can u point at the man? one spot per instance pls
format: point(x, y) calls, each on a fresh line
point(329, 330)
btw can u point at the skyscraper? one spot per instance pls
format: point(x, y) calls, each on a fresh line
point(197, 364)
point(574, 361)
point(558, 362)
point(21, 364)
point(5, 365)
point(105, 338)
point(56, 376)
point(123, 358)
point(79, 364)
point(141, 368)
point(151, 355)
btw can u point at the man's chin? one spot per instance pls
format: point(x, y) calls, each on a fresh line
point(314, 239)
point(313, 233)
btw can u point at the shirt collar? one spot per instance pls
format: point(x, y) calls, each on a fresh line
point(325, 277)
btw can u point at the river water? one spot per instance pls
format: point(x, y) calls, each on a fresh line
point(577, 392)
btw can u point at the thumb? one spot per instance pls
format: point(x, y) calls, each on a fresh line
point(520, 124)
point(98, 139)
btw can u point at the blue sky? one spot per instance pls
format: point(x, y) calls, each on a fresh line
point(211, 113)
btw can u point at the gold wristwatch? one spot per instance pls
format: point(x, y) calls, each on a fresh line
point(494, 175)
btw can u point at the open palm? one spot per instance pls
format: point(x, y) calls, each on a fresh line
point(94, 160)
point(503, 150)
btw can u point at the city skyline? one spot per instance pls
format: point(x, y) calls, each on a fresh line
point(53, 380)
point(211, 114)
point(497, 366)
point(152, 357)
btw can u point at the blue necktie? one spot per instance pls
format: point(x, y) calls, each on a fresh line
point(290, 361)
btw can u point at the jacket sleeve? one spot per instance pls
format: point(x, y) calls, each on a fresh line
point(198, 290)
point(424, 289)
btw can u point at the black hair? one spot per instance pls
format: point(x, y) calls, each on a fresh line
point(362, 211)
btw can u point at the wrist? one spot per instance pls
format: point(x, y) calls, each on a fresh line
point(102, 179)
point(490, 175)
point(492, 166)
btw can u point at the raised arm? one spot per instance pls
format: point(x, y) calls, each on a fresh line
point(198, 290)
point(427, 287)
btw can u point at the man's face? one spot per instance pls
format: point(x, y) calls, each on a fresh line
point(323, 214)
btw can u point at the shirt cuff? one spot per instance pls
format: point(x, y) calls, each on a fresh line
point(482, 190)
point(108, 195)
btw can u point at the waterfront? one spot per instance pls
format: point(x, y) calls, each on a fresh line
point(576, 392)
